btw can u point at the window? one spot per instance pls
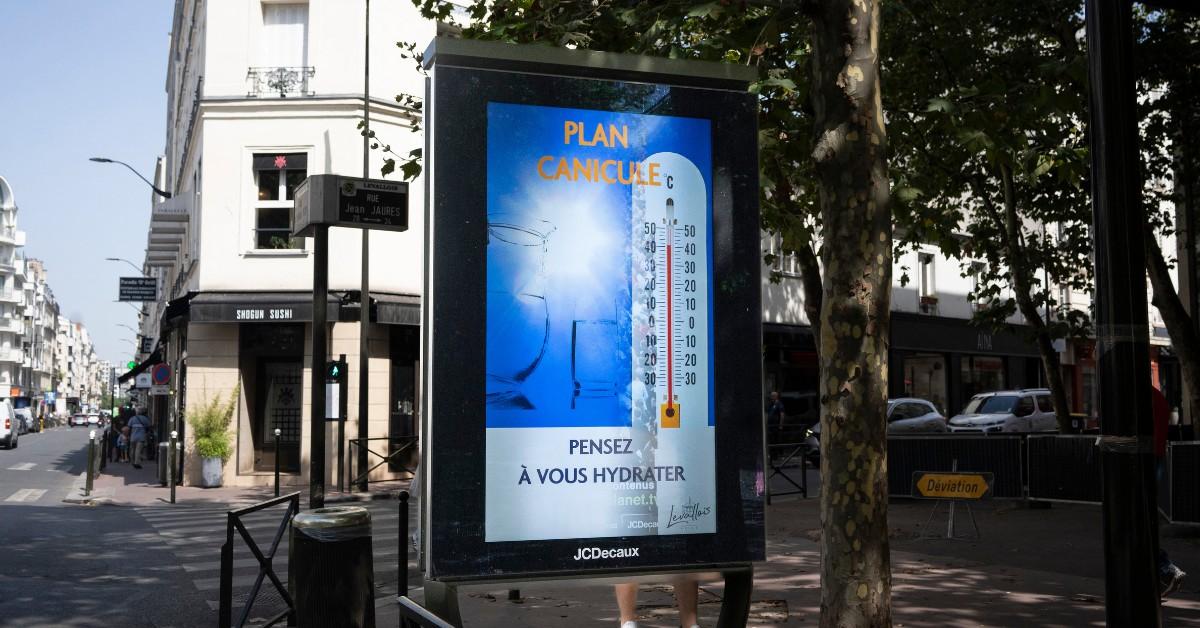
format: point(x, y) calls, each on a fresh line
point(925, 285)
point(285, 35)
point(1024, 407)
point(1045, 403)
point(276, 177)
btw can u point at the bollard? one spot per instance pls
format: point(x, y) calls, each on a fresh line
point(277, 433)
point(402, 559)
point(330, 571)
point(91, 464)
point(171, 458)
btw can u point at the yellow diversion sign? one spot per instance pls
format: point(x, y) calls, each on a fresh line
point(934, 485)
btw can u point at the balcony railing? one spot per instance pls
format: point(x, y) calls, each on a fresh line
point(284, 82)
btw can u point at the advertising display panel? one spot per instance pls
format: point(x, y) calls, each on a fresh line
point(592, 317)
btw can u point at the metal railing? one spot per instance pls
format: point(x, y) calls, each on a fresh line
point(786, 454)
point(412, 614)
point(358, 447)
point(265, 567)
point(284, 81)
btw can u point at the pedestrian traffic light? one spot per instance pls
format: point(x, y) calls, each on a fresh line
point(335, 371)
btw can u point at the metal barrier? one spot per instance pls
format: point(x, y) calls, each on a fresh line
point(789, 451)
point(358, 448)
point(411, 613)
point(1001, 454)
point(1177, 494)
point(265, 566)
point(1063, 467)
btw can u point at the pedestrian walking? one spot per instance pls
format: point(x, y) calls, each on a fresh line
point(687, 592)
point(775, 412)
point(123, 445)
point(139, 428)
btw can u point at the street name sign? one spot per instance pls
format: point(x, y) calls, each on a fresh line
point(159, 390)
point(581, 242)
point(335, 200)
point(957, 486)
point(138, 289)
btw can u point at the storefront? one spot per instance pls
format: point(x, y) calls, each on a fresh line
point(261, 343)
point(946, 360)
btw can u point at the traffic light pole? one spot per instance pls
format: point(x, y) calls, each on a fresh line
point(1122, 333)
point(341, 426)
point(316, 432)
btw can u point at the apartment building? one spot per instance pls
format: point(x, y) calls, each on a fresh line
point(261, 94)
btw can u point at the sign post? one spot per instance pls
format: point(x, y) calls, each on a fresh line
point(581, 242)
point(951, 488)
point(325, 200)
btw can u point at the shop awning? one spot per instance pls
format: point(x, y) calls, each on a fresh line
point(397, 309)
point(154, 358)
point(256, 307)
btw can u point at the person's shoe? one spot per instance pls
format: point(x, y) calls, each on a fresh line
point(629, 624)
point(137, 466)
point(1170, 580)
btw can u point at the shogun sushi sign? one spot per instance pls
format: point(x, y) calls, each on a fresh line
point(581, 244)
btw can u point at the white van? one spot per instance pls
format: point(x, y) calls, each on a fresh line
point(10, 426)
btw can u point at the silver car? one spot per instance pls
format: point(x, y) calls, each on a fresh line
point(907, 415)
point(1026, 410)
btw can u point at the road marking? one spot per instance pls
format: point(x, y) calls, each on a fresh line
point(24, 466)
point(27, 495)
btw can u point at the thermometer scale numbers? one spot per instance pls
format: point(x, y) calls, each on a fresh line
point(670, 358)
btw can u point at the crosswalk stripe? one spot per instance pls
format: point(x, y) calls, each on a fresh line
point(24, 466)
point(26, 495)
point(194, 535)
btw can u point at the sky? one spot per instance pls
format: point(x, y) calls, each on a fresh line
point(78, 79)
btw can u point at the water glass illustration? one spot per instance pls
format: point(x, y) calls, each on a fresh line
point(518, 322)
point(595, 361)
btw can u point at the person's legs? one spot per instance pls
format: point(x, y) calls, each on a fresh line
point(627, 601)
point(686, 594)
point(136, 458)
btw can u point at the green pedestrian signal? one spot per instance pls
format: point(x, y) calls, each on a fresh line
point(335, 370)
point(130, 365)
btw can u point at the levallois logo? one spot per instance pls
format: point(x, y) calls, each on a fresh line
point(592, 553)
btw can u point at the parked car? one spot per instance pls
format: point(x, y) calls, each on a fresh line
point(93, 420)
point(1026, 410)
point(907, 415)
point(26, 418)
point(9, 426)
point(78, 419)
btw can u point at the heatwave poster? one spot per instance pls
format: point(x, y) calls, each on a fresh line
point(599, 412)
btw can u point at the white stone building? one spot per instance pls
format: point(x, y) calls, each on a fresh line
point(261, 94)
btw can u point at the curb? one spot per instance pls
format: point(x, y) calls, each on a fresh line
point(98, 496)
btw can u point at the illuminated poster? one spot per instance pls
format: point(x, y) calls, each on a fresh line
point(599, 402)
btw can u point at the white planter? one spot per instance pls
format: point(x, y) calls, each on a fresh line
point(211, 472)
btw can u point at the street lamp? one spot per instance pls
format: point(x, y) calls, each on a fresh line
point(105, 160)
point(122, 259)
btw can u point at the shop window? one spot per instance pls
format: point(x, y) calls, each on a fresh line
point(925, 378)
point(276, 177)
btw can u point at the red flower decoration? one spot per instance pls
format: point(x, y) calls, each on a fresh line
point(280, 161)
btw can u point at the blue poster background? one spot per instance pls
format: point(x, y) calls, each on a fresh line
point(558, 263)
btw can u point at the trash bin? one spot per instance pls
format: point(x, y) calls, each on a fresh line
point(330, 572)
point(162, 463)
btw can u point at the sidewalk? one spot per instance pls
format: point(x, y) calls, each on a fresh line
point(1040, 567)
point(1031, 568)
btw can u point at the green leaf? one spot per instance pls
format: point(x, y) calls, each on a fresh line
point(708, 9)
point(940, 104)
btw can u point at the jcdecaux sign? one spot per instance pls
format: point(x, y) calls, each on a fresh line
point(593, 389)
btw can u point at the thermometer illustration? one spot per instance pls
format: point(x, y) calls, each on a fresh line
point(673, 308)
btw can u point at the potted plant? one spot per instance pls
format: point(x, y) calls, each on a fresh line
point(213, 441)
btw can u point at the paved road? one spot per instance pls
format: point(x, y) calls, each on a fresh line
point(70, 565)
